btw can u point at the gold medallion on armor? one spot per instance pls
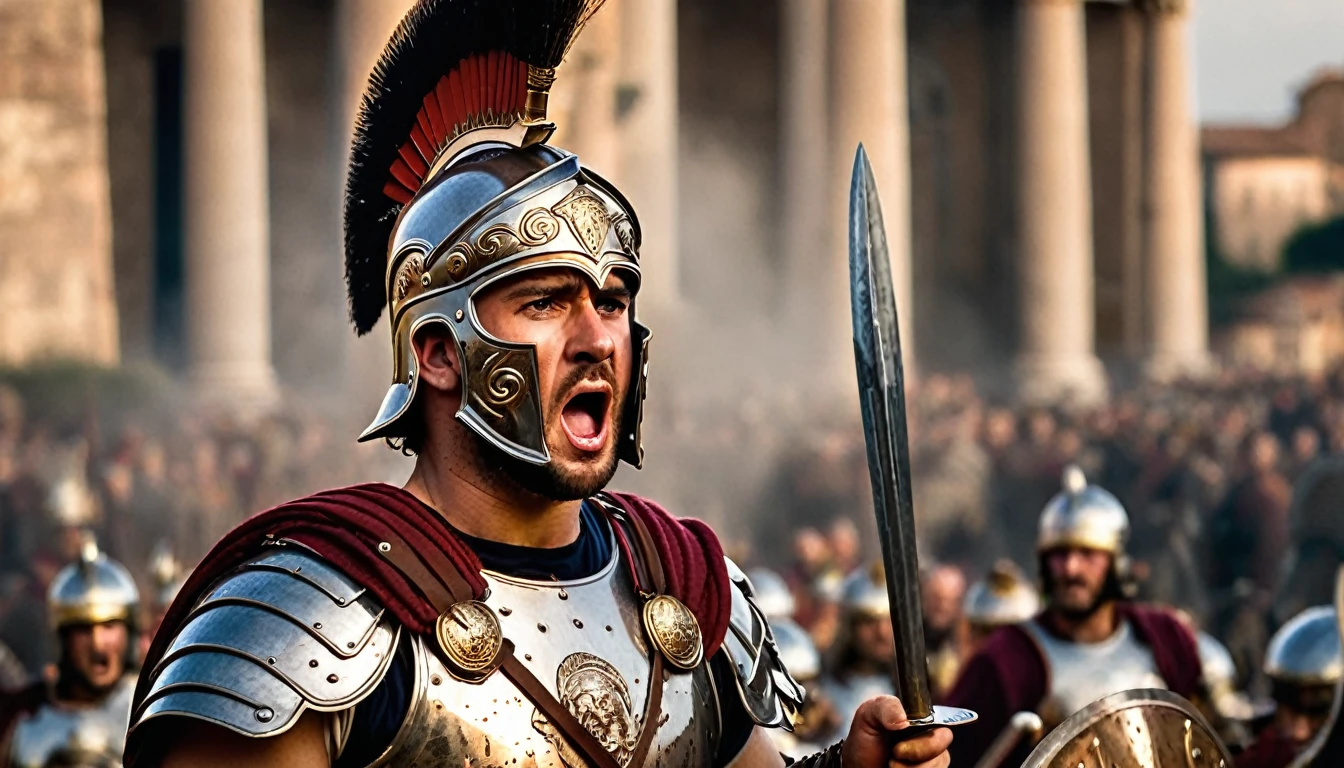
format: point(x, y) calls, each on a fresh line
point(470, 637)
point(673, 628)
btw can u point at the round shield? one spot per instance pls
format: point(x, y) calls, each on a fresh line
point(1145, 728)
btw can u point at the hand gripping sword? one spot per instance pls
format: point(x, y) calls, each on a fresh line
point(877, 355)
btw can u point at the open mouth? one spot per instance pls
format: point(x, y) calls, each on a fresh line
point(585, 419)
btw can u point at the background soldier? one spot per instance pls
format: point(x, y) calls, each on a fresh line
point(1090, 641)
point(861, 662)
point(79, 719)
point(1303, 664)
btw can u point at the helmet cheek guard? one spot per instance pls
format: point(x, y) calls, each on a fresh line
point(559, 216)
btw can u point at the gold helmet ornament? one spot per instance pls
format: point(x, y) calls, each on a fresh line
point(93, 590)
point(452, 187)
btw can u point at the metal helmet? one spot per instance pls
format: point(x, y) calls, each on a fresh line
point(168, 573)
point(1141, 727)
point(1083, 515)
point(1004, 597)
point(1306, 650)
point(797, 652)
point(772, 595)
point(92, 590)
point(452, 187)
point(865, 593)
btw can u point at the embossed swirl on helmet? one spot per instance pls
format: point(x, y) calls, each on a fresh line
point(537, 227)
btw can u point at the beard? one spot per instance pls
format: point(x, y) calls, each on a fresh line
point(1081, 611)
point(554, 480)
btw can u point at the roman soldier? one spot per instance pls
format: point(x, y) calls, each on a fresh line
point(79, 718)
point(1089, 642)
point(860, 663)
point(1304, 665)
point(502, 608)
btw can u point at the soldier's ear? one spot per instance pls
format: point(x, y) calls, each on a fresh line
point(436, 357)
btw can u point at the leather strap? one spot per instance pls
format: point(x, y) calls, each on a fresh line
point(578, 737)
point(431, 584)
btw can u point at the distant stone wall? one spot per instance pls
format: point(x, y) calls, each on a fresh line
point(56, 292)
point(1259, 202)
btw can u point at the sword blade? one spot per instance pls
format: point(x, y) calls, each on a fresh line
point(877, 356)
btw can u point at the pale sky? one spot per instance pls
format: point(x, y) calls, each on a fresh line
point(1251, 56)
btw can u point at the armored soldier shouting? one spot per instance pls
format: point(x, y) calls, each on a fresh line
point(501, 609)
point(1089, 641)
point(79, 719)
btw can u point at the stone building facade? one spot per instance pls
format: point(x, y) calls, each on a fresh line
point(1037, 161)
point(1265, 182)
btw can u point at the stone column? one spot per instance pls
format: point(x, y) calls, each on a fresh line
point(1177, 295)
point(869, 105)
point(361, 30)
point(1055, 358)
point(583, 101)
point(226, 211)
point(648, 160)
point(803, 157)
point(57, 298)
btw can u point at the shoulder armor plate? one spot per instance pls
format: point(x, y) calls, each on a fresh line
point(283, 633)
point(771, 695)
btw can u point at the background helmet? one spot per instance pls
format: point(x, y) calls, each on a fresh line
point(92, 590)
point(447, 195)
point(1083, 515)
point(771, 594)
point(1004, 597)
point(797, 652)
point(865, 593)
point(1303, 660)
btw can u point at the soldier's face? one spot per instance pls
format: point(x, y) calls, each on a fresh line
point(582, 337)
point(1298, 727)
point(1077, 579)
point(97, 652)
point(873, 638)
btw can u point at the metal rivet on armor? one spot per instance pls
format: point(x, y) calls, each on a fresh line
point(458, 315)
point(350, 644)
point(435, 680)
point(298, 568)
point(578, 624)
point(564, 595)
point(527, 656)
point(1096, 742)
point(332, 678)
point(340, 601)
point(383, 546)
point(270, 659)
point(424, 279)
point(1196, 753)
point(608, 627)
point(317, 625)
point(264, 715)
point(541, 627)
point(312, 662)
point(505, 611)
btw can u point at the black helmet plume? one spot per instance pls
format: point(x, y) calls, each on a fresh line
point(450, 66)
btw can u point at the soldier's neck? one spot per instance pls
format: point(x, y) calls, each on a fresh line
point(1098, 626)
point(480, 505)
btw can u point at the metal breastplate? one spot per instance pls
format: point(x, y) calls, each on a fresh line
point(90, 737)
point(1081, 673)
point(585, 641)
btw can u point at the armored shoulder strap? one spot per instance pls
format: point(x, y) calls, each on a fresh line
point(769, 693)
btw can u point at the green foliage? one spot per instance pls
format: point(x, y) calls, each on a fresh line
point(1315, 248)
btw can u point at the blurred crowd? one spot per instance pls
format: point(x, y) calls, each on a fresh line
point(155, 491)
point(1205, 469)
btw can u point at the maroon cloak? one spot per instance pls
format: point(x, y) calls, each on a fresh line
point(1008, 675)
point(1270, 750)
point(345, 525)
